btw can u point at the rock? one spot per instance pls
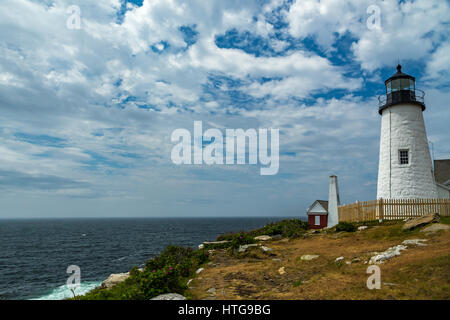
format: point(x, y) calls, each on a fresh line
point(244, 247)
point(211, 252)
point(114, 279)
point(389, 284)
point(189, 282)
point(215, 242)
point(201, 246)
point(362, 228)
point(388, 254)
point(211, 291)
point(281, 271)
point(339, 259)
point(348, 262)
point(417, 242)
point(263, 238)
point(421, 221)
point(308, 257)
point(356, 260)
point(266, 249)
point(435, 227)
point(199, 270)
point(169, 296)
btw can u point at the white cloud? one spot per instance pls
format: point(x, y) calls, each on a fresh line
point(114, 101)
point(438, 66)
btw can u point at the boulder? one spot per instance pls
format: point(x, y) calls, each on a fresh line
point(215, 242)
point(169, 296)
point(308, 257)
point(388, 254)
point(417, 242)
point(263, 238)
point(339, 259)
point(244, 247)
point(266, 249)
point(421, 221)
point(199, 270)
point(362, 228)
point(114, 279)
point(281, 271)
point(211, 291)
point(435, 227)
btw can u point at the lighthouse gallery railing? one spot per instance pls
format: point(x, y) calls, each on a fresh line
point(401, 96)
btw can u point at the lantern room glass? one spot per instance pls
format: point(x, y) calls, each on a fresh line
point(400, 84)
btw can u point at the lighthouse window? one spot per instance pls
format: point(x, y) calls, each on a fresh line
point(404, 156)
point(406, 84)
point(395, 85)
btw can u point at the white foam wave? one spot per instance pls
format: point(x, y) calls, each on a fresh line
point(63, 292)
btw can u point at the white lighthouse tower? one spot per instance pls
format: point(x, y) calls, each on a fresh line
point(405, 170)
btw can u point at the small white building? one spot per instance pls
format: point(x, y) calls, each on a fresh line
point(324, 214)
point(318, 214)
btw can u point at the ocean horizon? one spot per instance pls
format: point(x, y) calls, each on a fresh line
point(35, 253)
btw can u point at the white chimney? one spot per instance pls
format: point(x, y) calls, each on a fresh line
point(333, 202)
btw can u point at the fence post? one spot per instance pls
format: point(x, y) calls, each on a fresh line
point(380, 204)
point(358, 211)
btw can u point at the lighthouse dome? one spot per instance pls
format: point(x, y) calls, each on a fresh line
point(401, 88)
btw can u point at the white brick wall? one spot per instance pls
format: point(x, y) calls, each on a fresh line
point(402, 127)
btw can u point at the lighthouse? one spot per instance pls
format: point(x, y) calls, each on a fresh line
point(405, 170)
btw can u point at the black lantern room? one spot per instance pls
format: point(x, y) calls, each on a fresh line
point(401, 88)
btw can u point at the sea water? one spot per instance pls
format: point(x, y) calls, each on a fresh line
point(35, 254)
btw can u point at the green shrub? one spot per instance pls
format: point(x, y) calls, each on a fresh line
point(165, 273)
point(290, 228)
point(346, 226)
point(235, 240)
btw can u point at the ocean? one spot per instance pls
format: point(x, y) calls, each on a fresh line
point(35, 254)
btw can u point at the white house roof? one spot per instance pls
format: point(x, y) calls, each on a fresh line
point(318, 207)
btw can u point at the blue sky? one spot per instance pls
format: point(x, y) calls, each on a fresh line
point(86, 114)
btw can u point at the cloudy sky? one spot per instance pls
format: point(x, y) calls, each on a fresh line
point(86, 114)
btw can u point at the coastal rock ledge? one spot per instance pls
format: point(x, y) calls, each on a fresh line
point(114, 279)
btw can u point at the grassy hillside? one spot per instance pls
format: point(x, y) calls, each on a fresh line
point(420, 272)
point(281, 271)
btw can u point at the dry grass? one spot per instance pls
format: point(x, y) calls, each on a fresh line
point(418, 273)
